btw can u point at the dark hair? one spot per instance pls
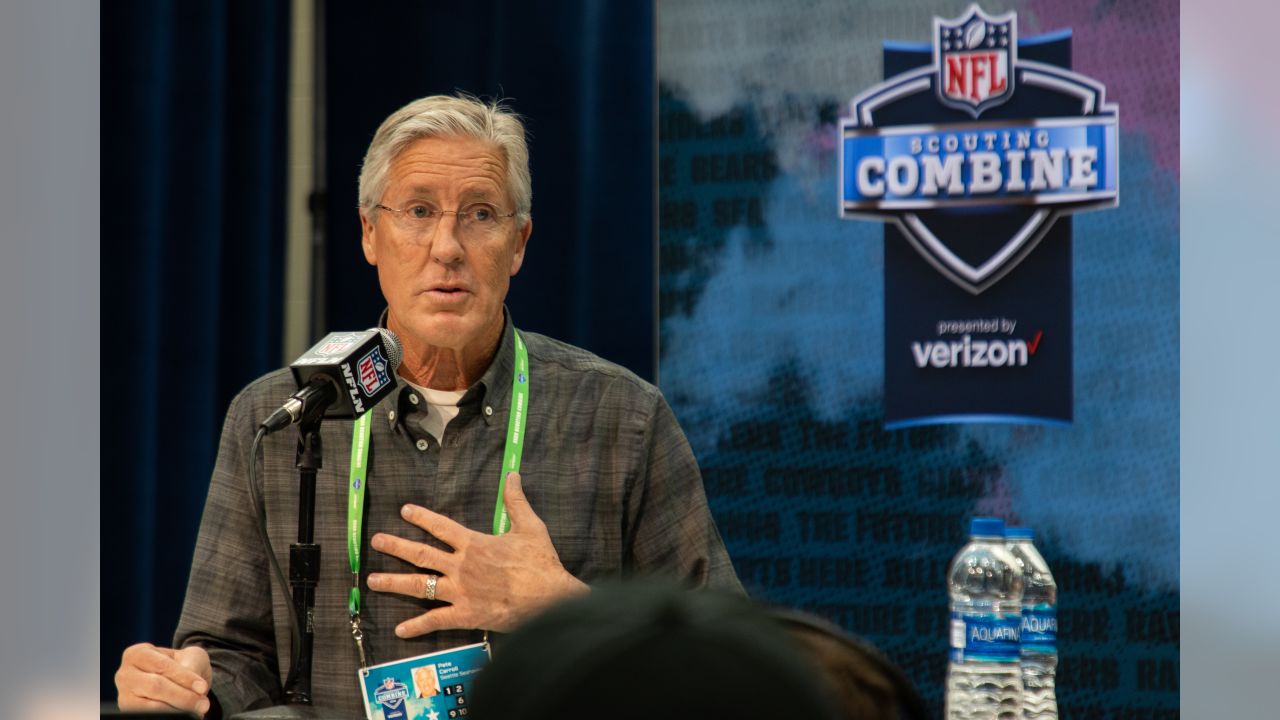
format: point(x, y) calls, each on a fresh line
point(650, 650)
point(867, 685)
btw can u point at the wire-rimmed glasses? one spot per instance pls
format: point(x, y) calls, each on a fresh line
point(475, 221)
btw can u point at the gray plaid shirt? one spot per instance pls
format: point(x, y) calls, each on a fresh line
point(605, 466)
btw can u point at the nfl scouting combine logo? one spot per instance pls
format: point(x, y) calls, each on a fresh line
point(915, 174)
point(391, 695)
point(977, 146)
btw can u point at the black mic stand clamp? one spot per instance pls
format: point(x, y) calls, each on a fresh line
point(304, 555)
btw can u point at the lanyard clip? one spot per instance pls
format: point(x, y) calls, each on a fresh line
point(357, 633)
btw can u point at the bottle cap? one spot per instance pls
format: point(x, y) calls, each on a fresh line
point(987, 526)
point(1019, 533)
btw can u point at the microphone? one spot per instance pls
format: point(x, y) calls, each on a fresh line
point(342, 376)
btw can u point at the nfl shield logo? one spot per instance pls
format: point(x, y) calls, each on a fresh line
point(975, 55)
point(336, 344)
point(373, 372)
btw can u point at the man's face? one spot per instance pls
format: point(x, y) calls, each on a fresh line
point(445, 288)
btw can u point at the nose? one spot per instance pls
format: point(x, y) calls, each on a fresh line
point(446, 247)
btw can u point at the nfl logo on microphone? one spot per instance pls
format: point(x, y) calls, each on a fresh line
point(336, 345)
point(373, 372)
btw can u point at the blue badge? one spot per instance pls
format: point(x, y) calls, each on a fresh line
point(436, 686)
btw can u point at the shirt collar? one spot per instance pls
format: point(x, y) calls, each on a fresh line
point(490, 388)
point(494, 386)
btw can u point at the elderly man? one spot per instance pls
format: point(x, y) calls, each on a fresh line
point(610, 487)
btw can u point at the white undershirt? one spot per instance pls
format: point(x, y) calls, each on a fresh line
point(442, 407)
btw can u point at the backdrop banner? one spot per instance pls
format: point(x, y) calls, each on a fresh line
point(817, 353)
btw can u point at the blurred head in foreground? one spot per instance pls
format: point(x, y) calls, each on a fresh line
point(867, 685)
point(651, 650)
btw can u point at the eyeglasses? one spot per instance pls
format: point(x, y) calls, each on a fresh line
point(475, 221)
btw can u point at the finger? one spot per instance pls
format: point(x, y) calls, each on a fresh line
point(133, 702)
point(518, 507)
point(160, 661)
point(441, 527)
point(186, 677)
point(138, 684)
point(448, 617)
point(420, 554)
point(196, 659)
point(411, 585)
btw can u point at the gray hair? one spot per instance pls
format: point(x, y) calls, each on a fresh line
point(443, 116)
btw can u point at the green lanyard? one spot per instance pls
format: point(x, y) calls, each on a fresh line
point(355, 505)
point(515, 433)
point(359, 476)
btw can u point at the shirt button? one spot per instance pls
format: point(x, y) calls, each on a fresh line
point(391, 416)
point(488, 410)
point(413, 398)
point(422, 445)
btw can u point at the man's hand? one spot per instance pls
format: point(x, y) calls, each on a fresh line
point(490, 582)
point(155, 678)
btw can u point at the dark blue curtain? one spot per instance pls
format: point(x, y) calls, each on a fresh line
point(193, 147)
point(194, 118)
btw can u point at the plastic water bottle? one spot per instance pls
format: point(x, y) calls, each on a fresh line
point(984, 681)
point(1039, 627)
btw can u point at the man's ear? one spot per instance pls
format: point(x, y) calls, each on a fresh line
point(522, 241)
point(367, 242)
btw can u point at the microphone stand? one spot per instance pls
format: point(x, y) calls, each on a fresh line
point(304, 555)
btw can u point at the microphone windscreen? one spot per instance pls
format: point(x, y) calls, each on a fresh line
point(395, 351)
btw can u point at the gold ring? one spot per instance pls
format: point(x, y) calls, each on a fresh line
point(431, 586)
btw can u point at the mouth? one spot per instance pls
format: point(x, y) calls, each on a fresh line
point(446, 291)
